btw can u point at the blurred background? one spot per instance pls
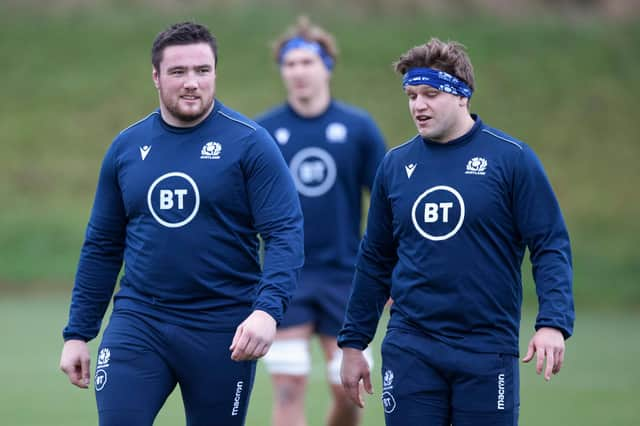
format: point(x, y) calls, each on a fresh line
point(560, 75)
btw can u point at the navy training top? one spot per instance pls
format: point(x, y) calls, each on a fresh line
point(182, 207)
point(447, 230)
point(331, 157)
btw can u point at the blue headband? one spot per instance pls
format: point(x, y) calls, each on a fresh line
point(312, 46)
point(437, 79)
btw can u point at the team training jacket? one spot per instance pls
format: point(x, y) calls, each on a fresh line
point(183, 207)
point(331, 157)
point(447, 230)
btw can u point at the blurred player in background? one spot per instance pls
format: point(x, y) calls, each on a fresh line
point(181, 197)
point(452, 212)
point(333, 150)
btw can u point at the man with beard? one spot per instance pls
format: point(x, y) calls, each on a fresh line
point(181, 198)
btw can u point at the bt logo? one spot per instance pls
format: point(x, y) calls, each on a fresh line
point(388, 402)
point(313, 171)
point(432, 212)
point(173, 199)
point(167, 196)
point(100, 379)
point(438, 213)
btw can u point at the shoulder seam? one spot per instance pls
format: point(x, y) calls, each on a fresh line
point(236, 120)
point(503, 138)
point(401, 145)
point(138, 122)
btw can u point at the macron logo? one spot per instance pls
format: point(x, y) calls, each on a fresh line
point(144, 151)
point(410, 168)
point(501, 391)
point(236, 399)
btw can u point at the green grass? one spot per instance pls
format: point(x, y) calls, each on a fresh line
point(73, 78)
point(598, 385)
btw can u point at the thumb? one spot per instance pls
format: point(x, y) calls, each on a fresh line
point(85, 368)
point(530, 351)
point(236, 337)
point(366, 380)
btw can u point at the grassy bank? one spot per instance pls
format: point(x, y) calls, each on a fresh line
point(73, 79)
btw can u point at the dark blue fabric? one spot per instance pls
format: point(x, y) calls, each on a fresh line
point(332, 157)
point(141, 359)
point(426, 382)
point(321, 300)
point(437, 79)
point(447, 231)
point(182, 208)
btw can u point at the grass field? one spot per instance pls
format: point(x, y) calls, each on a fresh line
point(73, 77)
point(597, 387)
point(73, 80)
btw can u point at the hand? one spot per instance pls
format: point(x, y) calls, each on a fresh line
point(253, 337)
point(547, 342)
point(75, 362)
point(355, 369)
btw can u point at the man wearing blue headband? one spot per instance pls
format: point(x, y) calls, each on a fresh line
point(452, 212)
point(333, 150)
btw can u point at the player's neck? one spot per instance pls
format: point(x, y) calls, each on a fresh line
point(312, 106)
point(461, 127)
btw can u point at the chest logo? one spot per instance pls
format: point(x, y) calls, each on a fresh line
point(282, 135)
point(476, 166)
point(336, 133)
point(410, 168)
point(211, 151)
point(144, 151)
point(173, 199)
point(314, 171)
point(438, 213)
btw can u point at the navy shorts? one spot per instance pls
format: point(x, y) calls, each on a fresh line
point(320, 299)
point(426, 382)
point(141, 359)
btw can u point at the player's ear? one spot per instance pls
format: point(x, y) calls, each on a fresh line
point(156, 77)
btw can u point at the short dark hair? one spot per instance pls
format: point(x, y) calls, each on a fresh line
point(181, 34)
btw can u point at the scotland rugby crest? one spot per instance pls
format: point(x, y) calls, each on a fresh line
point(211, 151)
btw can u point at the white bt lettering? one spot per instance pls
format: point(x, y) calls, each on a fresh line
point(312, 171)
point(100, 380)
point(431, 212)
point(166, 198)
point(388, 402)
